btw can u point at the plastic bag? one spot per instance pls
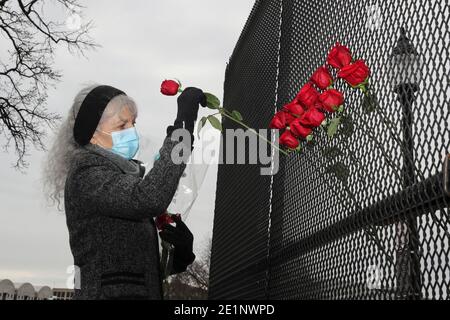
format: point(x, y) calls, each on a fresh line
point(190, 183)
point(188, 189)
point(182, 202)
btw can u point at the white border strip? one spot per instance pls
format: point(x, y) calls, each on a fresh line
point(272, 147)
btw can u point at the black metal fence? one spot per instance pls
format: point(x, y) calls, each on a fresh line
point(362, 216)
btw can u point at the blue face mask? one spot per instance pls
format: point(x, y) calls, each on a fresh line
point(125, 142)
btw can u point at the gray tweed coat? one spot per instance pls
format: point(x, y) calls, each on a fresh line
point(110, 207)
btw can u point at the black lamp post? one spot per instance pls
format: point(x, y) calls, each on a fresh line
point(406, 70)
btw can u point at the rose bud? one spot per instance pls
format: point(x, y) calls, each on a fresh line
point(295, 108)
point(169, 87)
point(278, 121)
point(299, 130)
point(331, 100)
point(162, 220)
point(322, 78)
point(312, 118)
point(339, 57)
point(307, 96)
point(287, 139)
point(355, 74)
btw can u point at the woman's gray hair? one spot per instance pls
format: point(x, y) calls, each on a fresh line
point(65, 147)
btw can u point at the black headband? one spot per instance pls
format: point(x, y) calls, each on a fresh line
point(91, 111)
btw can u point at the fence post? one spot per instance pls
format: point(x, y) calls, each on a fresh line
point(408, 260)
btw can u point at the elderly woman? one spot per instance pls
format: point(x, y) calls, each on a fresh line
point(109, 201)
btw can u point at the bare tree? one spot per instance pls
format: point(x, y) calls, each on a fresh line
point(31, 38)
point(194, 282)
point(198, 272)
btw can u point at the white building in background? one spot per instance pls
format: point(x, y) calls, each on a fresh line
point(62, 294)
point(26, 291)
point(44, 293)
point(7, 290)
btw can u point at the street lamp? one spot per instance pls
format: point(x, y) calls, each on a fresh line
point(406, 68)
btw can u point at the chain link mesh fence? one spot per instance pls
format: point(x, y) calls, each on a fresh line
point(361, 216)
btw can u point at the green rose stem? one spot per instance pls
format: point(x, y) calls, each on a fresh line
point(391, 128)
point(368, 131)
point(214, 103)
point(223, 112)
point(370, 230)
point(391, 162)
point(369, 96)
point(350, 199)
point(384, 118)
point(382, 114)
point(388, 159)
point(371, 234)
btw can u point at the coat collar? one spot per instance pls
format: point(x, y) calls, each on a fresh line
point(133, 167)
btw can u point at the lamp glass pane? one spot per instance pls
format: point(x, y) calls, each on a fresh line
point(405, 68)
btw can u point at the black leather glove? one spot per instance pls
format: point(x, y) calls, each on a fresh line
point(182, 239)
point(188, 105)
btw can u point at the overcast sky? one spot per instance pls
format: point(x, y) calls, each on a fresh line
point(142, 45)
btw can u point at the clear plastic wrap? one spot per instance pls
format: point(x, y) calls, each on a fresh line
point(188, 186)
point(188, 189)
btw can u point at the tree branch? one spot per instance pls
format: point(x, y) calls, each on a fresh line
point(26, 75)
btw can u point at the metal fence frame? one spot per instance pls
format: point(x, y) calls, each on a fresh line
point(382, 231)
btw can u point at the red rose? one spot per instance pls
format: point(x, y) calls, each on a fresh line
point(299, 130)
point(163, 220)
point(355, 73)
point(340, 56)
point(278, 121)
point(287, 139)
point(281, 120)
point(295, 108)
point(312, 118)
point(331, 99)
point(289, 116)
point(322, 78)
point(169, 87)
point(307, 96)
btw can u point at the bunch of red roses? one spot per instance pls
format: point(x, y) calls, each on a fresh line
point(318, 98)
